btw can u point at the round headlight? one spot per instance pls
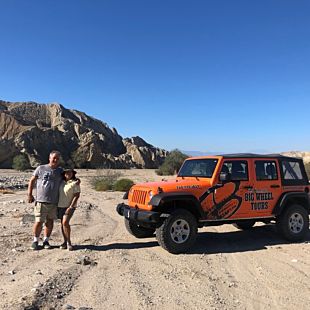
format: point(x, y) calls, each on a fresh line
point(150, 194)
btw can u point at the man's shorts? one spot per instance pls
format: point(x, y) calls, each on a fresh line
point(45, 211)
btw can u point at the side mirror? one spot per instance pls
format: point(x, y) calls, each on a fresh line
point(225, 177)
point(126, 195)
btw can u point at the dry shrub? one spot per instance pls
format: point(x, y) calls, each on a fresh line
point(6, 191)
point(105, 179)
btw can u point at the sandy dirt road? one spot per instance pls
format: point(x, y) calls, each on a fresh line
point(110, 269)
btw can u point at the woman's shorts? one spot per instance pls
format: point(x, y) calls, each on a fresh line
point(62, 211)
point(45, 211)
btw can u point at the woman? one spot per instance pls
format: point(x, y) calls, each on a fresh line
point(69, 193)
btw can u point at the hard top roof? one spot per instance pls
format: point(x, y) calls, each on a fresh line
point(251, 155)
point(246, 155)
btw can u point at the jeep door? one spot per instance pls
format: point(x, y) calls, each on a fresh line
point(267, 187)
point(242, 178)
point(228, 201)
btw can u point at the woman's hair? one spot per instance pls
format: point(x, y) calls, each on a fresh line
point(73, 174)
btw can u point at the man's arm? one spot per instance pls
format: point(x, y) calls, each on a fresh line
point(30, 188)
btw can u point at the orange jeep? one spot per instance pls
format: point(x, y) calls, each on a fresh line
point(240, 189)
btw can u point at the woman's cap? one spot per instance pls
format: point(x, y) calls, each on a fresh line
point(69, 170)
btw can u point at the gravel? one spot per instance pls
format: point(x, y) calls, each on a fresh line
point(14, 182)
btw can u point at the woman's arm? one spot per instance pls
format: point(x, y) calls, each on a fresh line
point(74, 200)
point(73, 204)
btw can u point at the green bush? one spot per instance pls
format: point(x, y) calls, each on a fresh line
point(123, 185)
point(172, 163)
point(104, 179)
point(20, 162)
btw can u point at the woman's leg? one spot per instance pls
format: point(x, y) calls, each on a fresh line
point(63, 231)
point(67, 228)
point(66, 225)
point(60, 215)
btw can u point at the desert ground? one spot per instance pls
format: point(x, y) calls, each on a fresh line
point(110, 269)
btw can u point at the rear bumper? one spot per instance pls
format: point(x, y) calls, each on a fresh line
point(138, 215)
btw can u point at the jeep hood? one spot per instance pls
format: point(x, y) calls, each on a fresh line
point(186, 184)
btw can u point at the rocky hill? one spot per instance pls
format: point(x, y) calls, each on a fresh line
point(35, 129)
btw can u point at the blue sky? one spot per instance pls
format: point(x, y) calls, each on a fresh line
point(224, 76)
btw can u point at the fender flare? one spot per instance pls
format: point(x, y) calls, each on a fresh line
point(162, 198)
point(291, 195)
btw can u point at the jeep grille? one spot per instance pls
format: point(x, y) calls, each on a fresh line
point(139, 196)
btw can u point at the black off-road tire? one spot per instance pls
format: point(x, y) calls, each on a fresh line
point(138, 231)
point(293, 223)
point(245, 225)
point(178, 232)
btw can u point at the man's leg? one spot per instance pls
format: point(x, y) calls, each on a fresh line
point(37, 228)
point(51, 211)
point(49, 224)
point(47, 233)
point(48, 227)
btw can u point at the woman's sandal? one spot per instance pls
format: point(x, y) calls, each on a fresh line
point(69, 247)
point(63, 246)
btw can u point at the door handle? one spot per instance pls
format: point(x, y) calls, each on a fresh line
point(274, 186)
point(248, 187)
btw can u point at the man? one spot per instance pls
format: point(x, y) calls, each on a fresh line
point(47, 178)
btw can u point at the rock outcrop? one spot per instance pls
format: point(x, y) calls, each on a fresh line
point(36, 129)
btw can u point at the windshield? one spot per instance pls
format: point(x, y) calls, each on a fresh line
point(198, 168)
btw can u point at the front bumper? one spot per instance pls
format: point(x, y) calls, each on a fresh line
point(138, 215)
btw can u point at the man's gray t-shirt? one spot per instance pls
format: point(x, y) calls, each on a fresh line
point(48, 181)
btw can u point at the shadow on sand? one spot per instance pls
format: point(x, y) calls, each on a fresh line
point(255, 239)
point(117, 246)
point(258, 238)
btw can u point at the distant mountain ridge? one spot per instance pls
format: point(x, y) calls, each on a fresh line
point(199, 153)
point(35, 129)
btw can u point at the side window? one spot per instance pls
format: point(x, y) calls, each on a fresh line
point(266, 170)
point(291, 170)
point(237, 168)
